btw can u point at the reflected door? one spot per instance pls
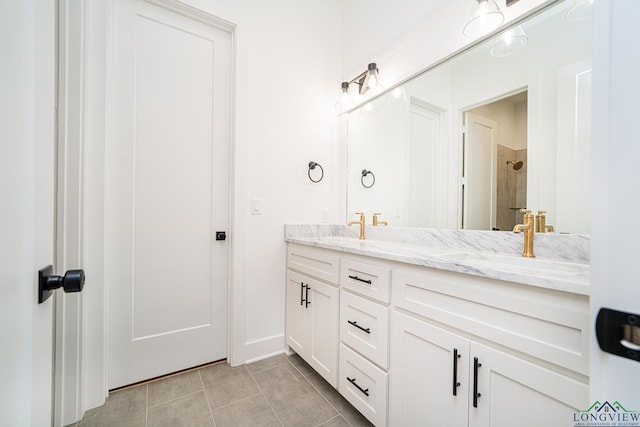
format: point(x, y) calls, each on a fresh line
point(167, 192)
point(478, 189)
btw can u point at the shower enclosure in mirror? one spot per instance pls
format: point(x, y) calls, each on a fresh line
point(469, 142)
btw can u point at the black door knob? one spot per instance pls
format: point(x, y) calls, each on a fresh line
point(72, 281)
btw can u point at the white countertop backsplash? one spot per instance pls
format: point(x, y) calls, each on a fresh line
point(562, 260)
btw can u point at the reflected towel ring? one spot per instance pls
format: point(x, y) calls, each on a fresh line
point(312, 165)
point(365, 173)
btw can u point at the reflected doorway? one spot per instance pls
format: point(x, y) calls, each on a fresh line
point(494, 181)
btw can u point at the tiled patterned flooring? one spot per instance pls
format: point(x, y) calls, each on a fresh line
point(279, 391)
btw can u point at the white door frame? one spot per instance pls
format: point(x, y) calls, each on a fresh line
point(84, 88)
point(614, 179)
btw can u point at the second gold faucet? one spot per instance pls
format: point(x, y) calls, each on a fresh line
point(377, 222)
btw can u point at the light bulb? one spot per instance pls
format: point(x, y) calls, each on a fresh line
point(397, 96)
point(371, 80)
point(344, 100)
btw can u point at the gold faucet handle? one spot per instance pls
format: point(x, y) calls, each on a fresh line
point(525, 211)
point(542, 212)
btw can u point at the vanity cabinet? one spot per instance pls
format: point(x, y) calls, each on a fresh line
point(312, 309)
point(408, 345)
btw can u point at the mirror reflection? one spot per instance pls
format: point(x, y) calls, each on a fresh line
point(492, 130)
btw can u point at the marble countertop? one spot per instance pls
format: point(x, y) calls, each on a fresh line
point(467, 252)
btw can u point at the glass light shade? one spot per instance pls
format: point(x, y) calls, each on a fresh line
point(368, 109)
point(581, 9)
point(371, 80)
point(485, 17)
point(344, 99)
point(509, 42)
point(397, 96)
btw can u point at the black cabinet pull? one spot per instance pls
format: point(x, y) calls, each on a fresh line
point(456, 384)
point(363, 390)
point(367, 330)
point(301, 293)
point(360, 280)
point(476, 395)
point(306, 301)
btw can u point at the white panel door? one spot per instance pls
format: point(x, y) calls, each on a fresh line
point(425, 134)
point(574, 149)
point(167, 192)
point(479, 159)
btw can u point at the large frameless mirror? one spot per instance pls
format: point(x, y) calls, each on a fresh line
point(502, 126)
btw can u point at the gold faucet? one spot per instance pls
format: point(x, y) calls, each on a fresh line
point(376, 222)
point(528, 229)
point(361, 222)
point(541, 222)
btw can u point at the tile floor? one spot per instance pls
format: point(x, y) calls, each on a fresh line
point(279, 391)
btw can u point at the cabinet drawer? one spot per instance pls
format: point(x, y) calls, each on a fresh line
point(366, 279)
point(315, 262)
point(364, 326)
point(364, 385)
point(546, 324)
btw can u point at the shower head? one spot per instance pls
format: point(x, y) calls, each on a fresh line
point(516, 165)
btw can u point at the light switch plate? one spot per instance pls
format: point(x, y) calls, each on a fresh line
point(256, 206)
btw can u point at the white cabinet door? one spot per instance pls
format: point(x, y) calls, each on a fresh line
point(296, 322)
point(312, 323)
point(426, 361)
point(322, 321)
point(514, 391)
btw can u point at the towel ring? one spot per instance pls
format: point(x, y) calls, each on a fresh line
point(312, 165)
point(365, 173)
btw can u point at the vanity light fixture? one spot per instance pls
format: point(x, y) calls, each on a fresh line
point(509, 42)
point(367, 81)
point(485, 17)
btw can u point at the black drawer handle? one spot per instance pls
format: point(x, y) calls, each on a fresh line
point(456, 384)
point(353, 381)
point(306, 297)
point(476, 395)
point(367, 330)
point(301, 293)
point(360, 280)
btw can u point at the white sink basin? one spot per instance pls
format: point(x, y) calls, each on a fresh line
point(518, 264)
